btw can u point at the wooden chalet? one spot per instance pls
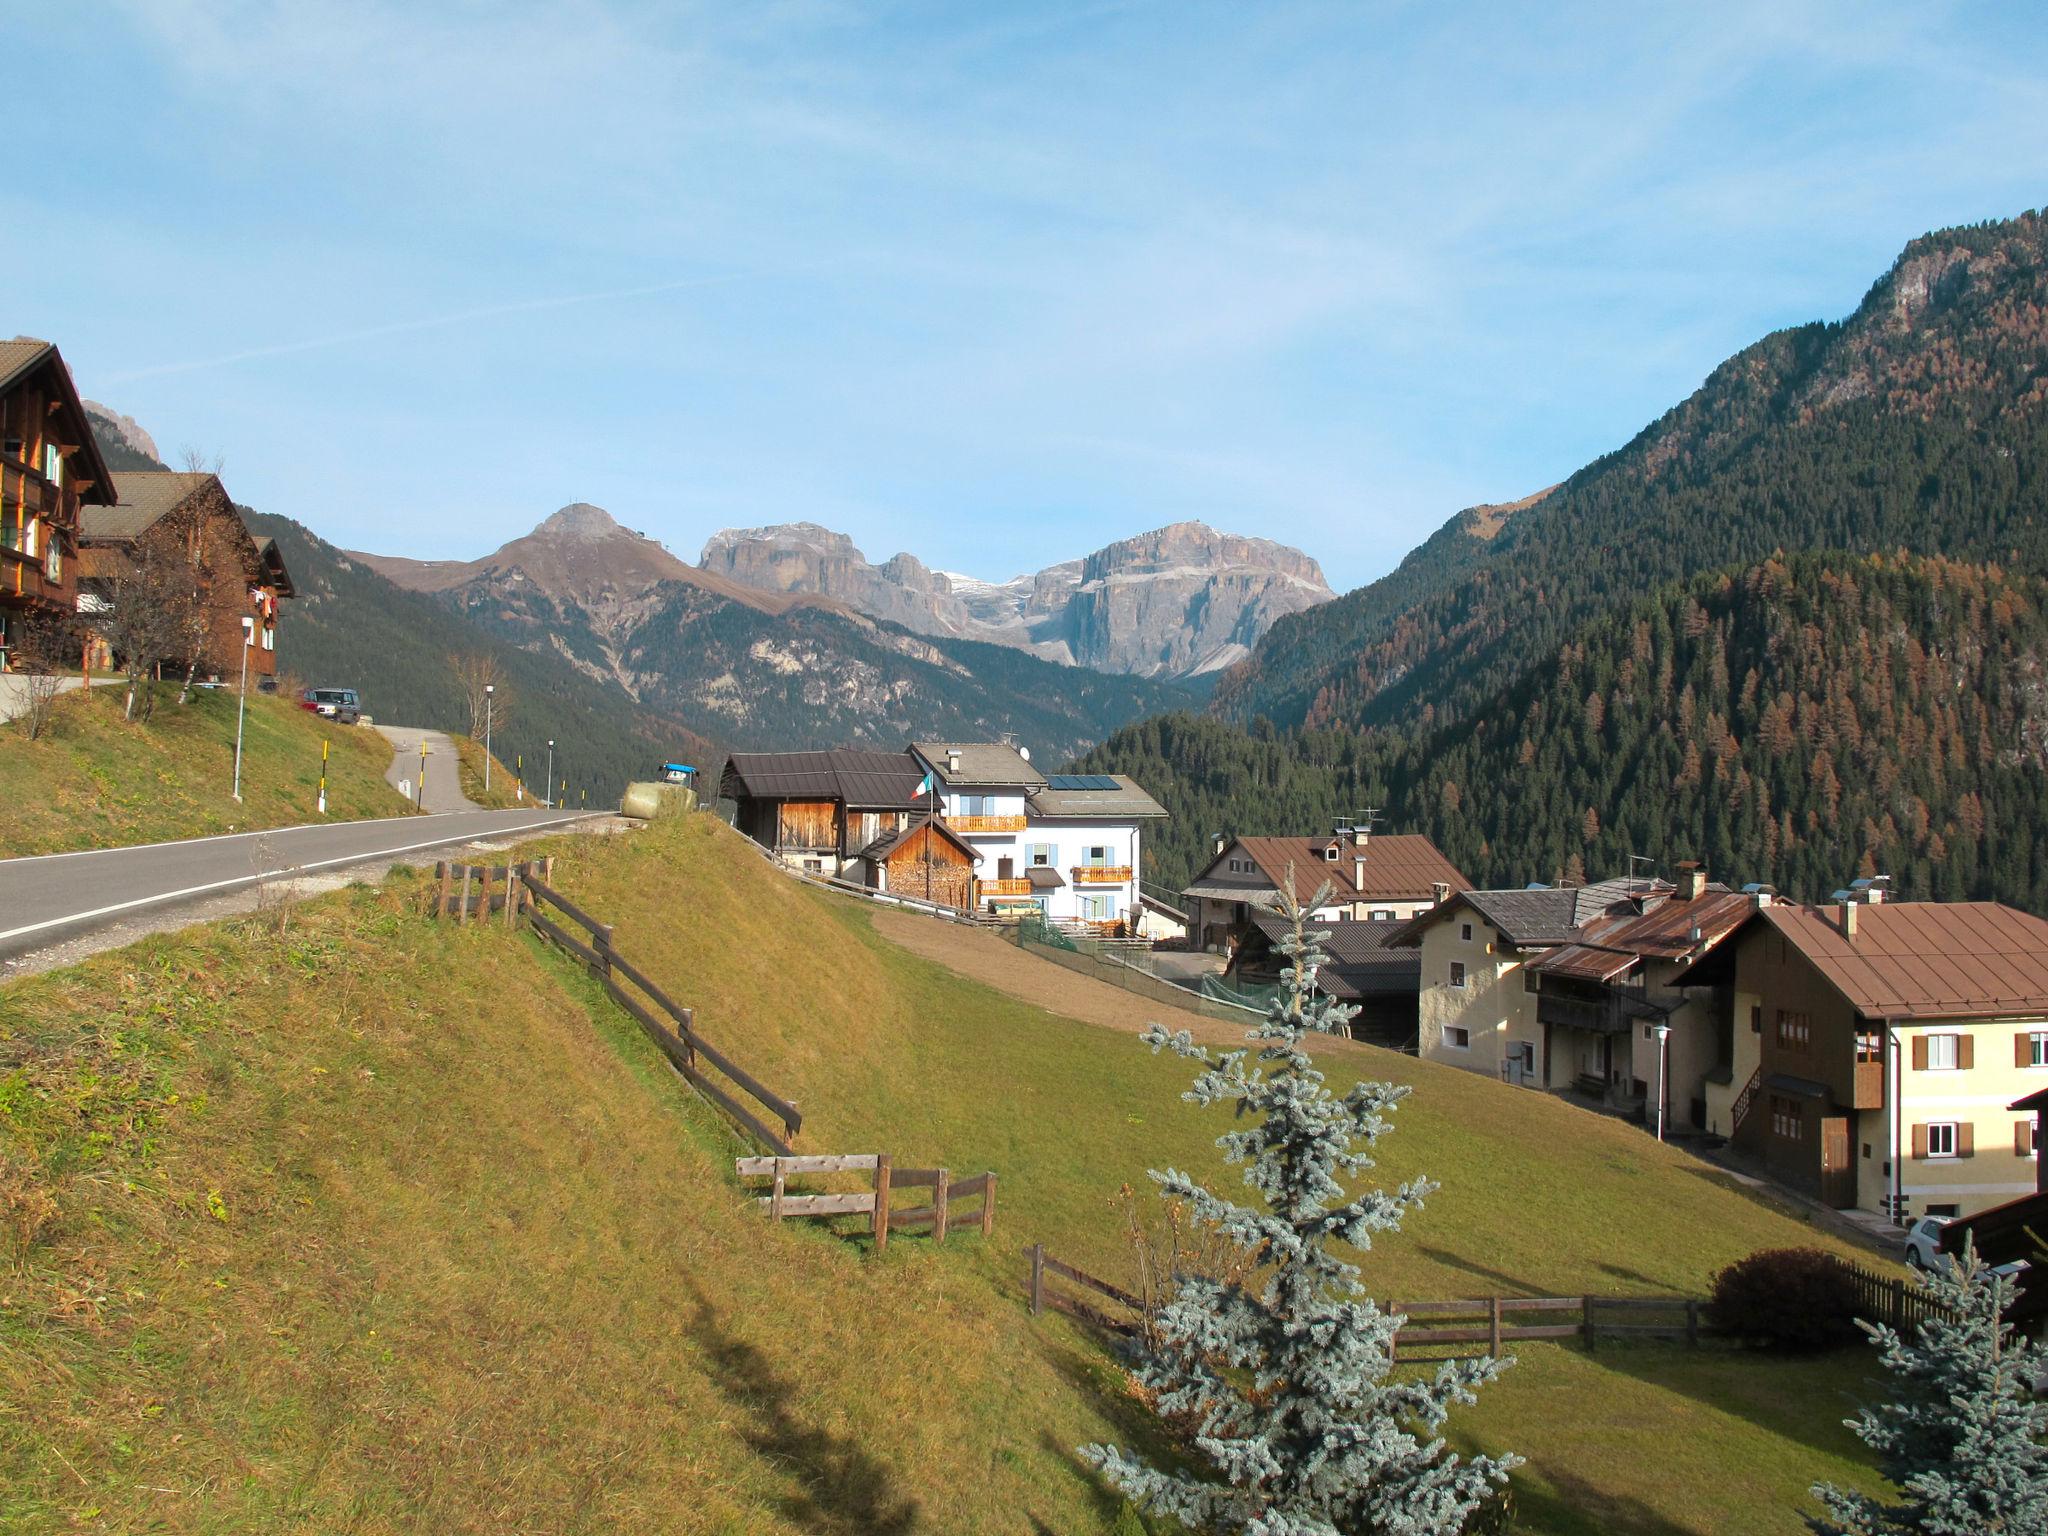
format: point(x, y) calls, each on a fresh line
point(1384, 984)
point(1374, 878)
point(927, 860)
point(246, 576)
point(50, 467)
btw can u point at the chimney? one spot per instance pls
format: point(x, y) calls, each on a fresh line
point(1848, 919)
point(1220, 841)
point(1358, 867)
point(1879, 888)
point(1692, 880)
point(1440, 892)
point(1361, 834)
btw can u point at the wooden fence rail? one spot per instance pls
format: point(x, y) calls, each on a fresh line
point(1430, 1325)
point(1890, 1300)
point(523, 888)
point(878, 1201)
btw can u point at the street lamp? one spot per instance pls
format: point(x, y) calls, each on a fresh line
point(1663, 1055)
point(489, 689)
point(242, 702)
point(551, 771)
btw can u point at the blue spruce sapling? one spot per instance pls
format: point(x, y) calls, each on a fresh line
point(1963, 1441)
point(1284, 1383)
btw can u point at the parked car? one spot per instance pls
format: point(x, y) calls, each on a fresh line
point(1923, 1247)
point(338, 704)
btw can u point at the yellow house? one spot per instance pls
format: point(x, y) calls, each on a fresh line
point(1880, 1047)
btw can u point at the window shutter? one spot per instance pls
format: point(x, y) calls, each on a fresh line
point(2023, 1049)
point(1966, 1139)
point(1966, 1052)
point(1920, 1141)
point(2022, 1137)
point(1920, 1065)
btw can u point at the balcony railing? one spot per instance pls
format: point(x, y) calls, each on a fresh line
point(1102, 874)
point(969, 825)
point(1006, 887)
point(1868, 1087)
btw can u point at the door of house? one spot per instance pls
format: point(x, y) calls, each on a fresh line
point(1006, 869)
point(1837, 1172)
point(1519, 1066)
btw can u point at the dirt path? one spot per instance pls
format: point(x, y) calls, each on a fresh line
point(981, 956)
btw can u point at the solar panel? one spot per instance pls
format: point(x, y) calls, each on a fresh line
point(1082, 781)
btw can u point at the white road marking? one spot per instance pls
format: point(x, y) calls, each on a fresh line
point(256, 879)
point(222, 837)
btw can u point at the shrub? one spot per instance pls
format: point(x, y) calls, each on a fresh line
point(1786, 1298)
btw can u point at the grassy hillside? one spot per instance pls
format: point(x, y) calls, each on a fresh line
point(97, 780)
point(351, 1220)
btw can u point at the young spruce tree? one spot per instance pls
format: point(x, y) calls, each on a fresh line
point(1285, 1381)
point(1963, 1442)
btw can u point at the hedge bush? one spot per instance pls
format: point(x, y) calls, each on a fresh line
point(1786, 1298)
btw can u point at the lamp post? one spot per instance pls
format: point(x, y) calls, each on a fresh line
point(1663, 1054)
point(489, 689)
point(242, 703)
point(549, 798)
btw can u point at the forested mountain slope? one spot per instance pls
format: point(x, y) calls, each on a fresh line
point(1800, 722)
point(1918, 423)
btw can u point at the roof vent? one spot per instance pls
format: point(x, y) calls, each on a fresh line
point(952, 760)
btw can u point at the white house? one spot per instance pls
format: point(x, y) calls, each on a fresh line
point(1069, 845)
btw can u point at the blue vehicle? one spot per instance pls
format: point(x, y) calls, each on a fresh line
point(677, 773)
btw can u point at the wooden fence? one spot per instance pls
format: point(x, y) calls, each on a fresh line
point(878, 1202)
point(1493, 1321)
point(524, 889)
point(1890, 1300)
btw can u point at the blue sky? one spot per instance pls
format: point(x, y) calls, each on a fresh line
point(993, 283)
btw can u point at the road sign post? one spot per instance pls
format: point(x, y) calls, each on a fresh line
point(323, 775)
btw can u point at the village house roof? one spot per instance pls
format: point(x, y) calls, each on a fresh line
point(1399, 866)
point(1672, 929)
point(1077, 796)
point(889, 842)
point(23, 356)
point(273, 566)
point(1540, 917)
point(1914, 961)
point(992, 763)
point(858, 779)
point(145, 498)
point(1361, 964)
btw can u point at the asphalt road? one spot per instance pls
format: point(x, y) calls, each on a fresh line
point(57, 895)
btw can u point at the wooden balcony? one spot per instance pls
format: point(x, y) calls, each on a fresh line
point(1867, 1091)
point(968, 826)
point(1006, 888)
point(22, 578)
point(1102, 874)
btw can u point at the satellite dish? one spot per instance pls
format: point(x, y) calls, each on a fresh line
point(1025, 753)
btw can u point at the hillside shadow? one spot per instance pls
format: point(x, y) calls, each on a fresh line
point(842, 1490)
point(1572, 1503)
point(1451, 1260)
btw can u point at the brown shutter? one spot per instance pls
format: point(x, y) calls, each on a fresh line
point(1920, 1065)
point(2023, 1136)
point(2023, 1049)
point(1920, 1141)
point(1966, 1051)
point(1966, 1139)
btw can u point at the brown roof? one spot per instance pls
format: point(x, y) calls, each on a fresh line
point(1583, 962)
point(889, 842)
point(1610, 946)
point(1913, 960)
point(858, 778)
point(1399, 866)
point(21, 357)
point(146, 496)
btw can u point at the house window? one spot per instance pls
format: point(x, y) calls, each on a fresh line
point(2036, 1050)
point(1382, 914)
point(1040, 855)
point(1096, 857)
point(1949, 1208)
point(1457, 973)
point(10, 525)
point(1756, 1018)
point(1330, 854)
point(1941, 1054)
point(1869, 1046)
point(2026, 1137)
point(14, 448)
point(1098, 907)
point(53, 561)
point(1941, 1138)
point(1458, 1038)
point(1786, 1120)
point(1795, 1031)
point(976, 805)
point(269, 637)
point(1465, 932)
point(53, 464)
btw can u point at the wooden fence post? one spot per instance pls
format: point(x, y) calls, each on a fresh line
point(1587, 1303)
point(988, 1206)
point(462, 909)
point(441, 892)
point(1898, 1305)
point(882, 1172)
point(1037, 1278)
point(512, 890)
point(939, 1206)
point(775, 1194)
point(604, 948)
point(1493, 1328)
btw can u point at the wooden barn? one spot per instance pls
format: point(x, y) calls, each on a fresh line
point(820, 811)
point(927, 860)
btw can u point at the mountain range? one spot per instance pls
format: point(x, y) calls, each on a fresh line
point(1180, 601)
point(1791, 628)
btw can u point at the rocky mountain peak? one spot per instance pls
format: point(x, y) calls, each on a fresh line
point(582, 522)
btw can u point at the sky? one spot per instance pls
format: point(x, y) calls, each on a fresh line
point(993, 283)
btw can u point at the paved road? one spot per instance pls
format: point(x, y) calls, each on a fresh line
point(444, 782)
point(57, 895)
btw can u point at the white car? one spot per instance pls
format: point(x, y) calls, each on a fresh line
point(1923, 1247)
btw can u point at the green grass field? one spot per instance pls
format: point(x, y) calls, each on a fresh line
point(344, 1219)
point(503, 795)
point(96, 780)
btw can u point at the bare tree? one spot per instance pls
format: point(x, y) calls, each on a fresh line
point(45, 645)
point(198, 462)
point(150, 609)
point(476, 672)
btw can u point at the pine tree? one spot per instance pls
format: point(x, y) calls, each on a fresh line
point(1963, 1441)
point(1286, 1378)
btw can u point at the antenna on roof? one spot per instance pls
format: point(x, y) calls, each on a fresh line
point(1633, 860)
